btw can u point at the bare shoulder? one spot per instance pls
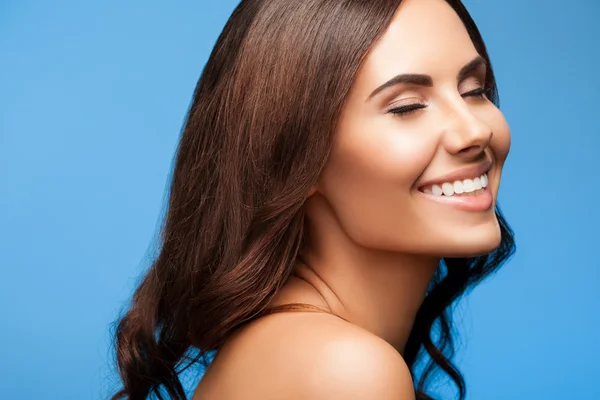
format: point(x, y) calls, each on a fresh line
point(306, 356)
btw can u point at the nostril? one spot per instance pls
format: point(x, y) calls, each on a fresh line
point(470, 149)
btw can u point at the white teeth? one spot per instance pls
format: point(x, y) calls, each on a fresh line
point(458, 187)
point(448, 189)
point(468, 185)
point(484, 180)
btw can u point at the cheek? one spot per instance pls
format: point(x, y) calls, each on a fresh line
point(380, 154)
point(369, 176)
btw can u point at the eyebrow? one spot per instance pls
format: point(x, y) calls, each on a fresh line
point(426, 80)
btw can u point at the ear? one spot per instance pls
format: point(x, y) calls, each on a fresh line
point(312, 191)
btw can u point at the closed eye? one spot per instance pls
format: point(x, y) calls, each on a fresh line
point(411, 108)
point(481, 92)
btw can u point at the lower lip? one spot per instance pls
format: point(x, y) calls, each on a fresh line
point(480, 202)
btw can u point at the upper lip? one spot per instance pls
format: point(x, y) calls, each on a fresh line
point(469, 172)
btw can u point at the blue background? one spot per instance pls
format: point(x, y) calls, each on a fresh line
point(92, 100)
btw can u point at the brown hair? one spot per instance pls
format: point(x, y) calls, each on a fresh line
point(255, 140)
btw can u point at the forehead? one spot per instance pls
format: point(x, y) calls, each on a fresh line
point(425, 36)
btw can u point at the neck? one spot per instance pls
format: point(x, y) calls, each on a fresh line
point(380, 291)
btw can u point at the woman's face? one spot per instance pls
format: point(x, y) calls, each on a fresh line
point(380, 174)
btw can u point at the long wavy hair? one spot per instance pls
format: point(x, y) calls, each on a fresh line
point(255, 139)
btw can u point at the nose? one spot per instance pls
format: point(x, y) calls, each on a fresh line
point(466, 135)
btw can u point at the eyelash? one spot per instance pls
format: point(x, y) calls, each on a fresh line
point(408, 109)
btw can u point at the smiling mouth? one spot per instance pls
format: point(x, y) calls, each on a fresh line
point(459, 188)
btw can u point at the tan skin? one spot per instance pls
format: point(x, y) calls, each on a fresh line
point(375, 238)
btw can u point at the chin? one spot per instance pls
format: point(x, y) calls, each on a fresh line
point(471, 242)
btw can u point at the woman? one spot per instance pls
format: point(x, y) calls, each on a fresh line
point(341, 160)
